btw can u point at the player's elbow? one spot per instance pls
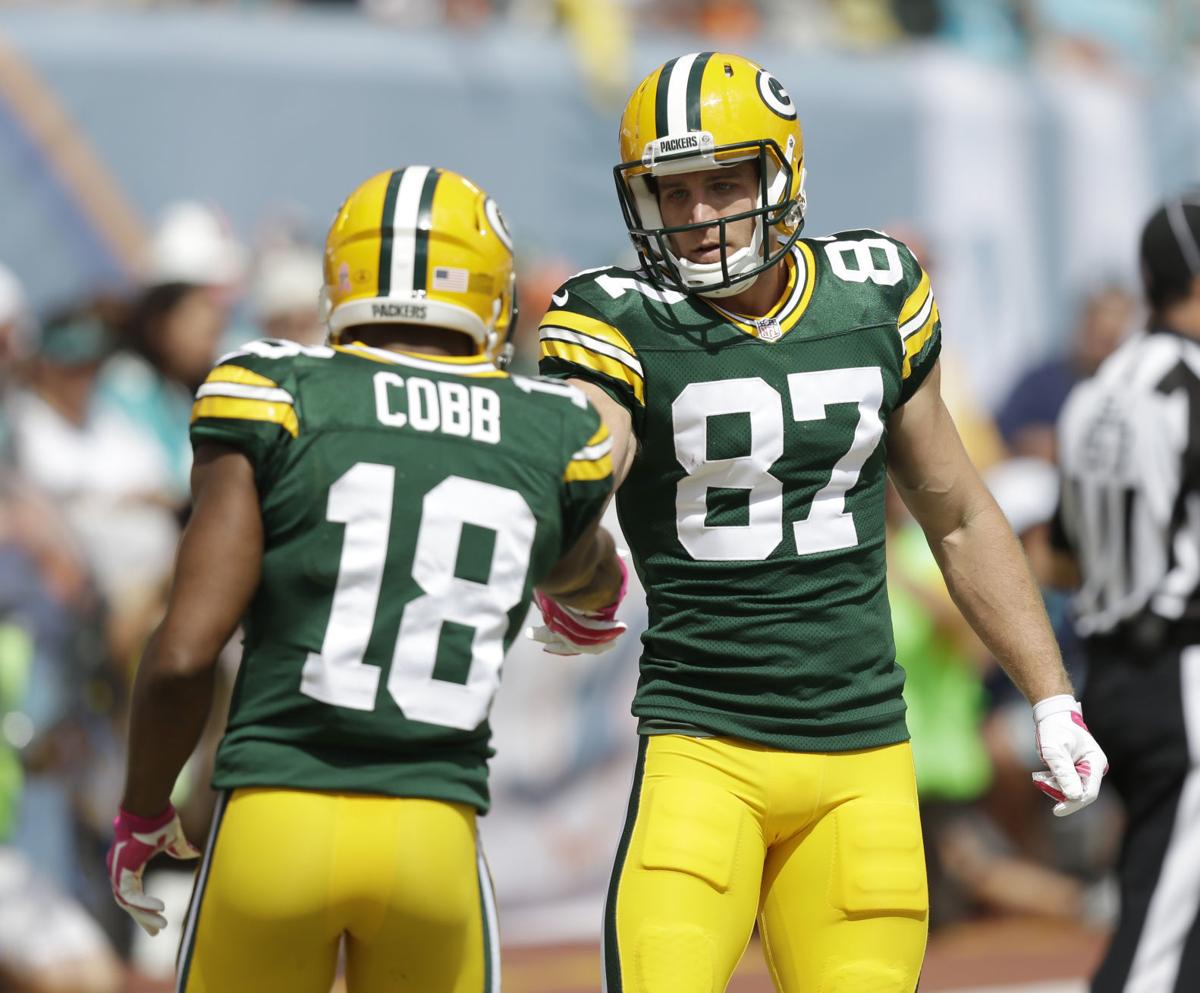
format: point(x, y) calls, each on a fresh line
point(171, 657)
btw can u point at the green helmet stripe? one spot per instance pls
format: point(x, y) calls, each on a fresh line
point(386, 227)
point(661, 128)
point(424, 223)
point(695, 77)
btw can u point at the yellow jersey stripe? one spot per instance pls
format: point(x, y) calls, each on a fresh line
point(915, 301)
point(239, 409)
point(549, 333)
point(916, 341)
point(588, 471)
point(590, 453)
point(599, 436)
point(579, 355)
point(792, 303)
point(586, 325)
point(238, 374)
point(793, 272)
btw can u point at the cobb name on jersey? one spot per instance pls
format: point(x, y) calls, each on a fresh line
point(452, 408)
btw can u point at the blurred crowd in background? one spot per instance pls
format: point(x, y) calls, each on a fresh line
point(1138, 30)
point(95, 394)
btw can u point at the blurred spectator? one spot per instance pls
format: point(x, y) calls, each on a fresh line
point(996, 30)
point(1104, 33)
point(103, 470)
point(284, 294)
point(16, 340)
point(174, 333)
point(16, 324)
point(1027, 417)
point(48, 942)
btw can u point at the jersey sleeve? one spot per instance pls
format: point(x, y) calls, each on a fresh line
point(587, 477)
point(579, 341)
point(919, 326)
point(248, 402)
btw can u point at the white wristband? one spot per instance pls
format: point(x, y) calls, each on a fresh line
point(1054, 705)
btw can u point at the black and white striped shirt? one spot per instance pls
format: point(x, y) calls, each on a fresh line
point(1129, 449)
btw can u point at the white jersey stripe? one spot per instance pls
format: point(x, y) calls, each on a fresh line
point(917, 321)
point(1176, 898)
point(593, 453)
point(404, 228)
point(551, 333)
point(244, 392)
point(677, 94)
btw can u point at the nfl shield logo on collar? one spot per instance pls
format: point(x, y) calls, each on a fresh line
point(768, 329)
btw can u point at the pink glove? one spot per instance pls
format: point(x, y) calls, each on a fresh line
point(569, 631)
point(136, 840)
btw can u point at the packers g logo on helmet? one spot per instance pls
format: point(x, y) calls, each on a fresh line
point(708, 110)
point(421, 246)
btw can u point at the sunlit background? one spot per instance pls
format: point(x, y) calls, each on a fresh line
point(167, 171)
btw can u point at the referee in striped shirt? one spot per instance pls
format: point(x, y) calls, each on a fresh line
point(1129, 525)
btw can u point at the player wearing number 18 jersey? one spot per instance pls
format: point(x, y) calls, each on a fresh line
point(759, 388)
point(375, 513)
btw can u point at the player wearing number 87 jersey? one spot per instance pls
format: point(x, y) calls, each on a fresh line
point(375, 513)
point(760, 387)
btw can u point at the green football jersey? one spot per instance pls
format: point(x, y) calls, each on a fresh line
point(755, 506)
point(409, 504)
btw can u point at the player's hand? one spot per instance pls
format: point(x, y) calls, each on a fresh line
point(136, 840)
point(1075, 760)
point(570, 631)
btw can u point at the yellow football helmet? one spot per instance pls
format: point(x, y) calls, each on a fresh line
point(421, 246)
point(704, 111)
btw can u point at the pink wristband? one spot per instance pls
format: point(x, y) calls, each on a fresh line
point(135, 822)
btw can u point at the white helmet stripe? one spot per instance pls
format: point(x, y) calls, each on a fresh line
point(677, 88)
point(404, 228)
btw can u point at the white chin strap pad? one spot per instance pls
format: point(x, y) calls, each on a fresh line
point(699, 276)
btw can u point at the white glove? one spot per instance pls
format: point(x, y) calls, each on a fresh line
point(1075, 760)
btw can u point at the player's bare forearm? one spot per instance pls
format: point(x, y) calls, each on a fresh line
point(989, 578)
point(169, 711)
point(982, 561)
point(620, 428)
point(588, 577)
point(216, 574)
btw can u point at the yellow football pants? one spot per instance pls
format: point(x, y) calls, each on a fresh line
point(824, 849)
point(288, 873)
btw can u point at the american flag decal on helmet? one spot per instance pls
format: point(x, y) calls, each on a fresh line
point(450, 279)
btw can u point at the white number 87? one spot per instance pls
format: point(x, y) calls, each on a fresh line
point(828, 526)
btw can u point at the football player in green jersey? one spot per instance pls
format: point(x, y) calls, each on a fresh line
point(375, 515)
point(759, 388)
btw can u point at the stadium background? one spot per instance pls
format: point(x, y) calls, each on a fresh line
point(1018, 146)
